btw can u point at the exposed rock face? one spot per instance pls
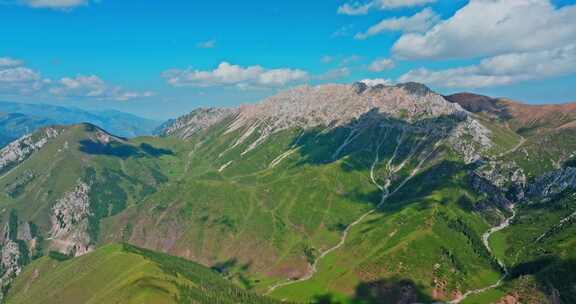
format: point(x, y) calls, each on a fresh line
point(470, 139)
point(507, 177)
point(494, 193)
point(553, 183)
point(337, 105)
point(17, 244)
point(10, 264)
point(19, 150)
point(199, 119)
point(70, 222)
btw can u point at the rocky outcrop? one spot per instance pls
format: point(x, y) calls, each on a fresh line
point(336, 105)
point(494, 194)
point(17, 245)
point(199, 119)
point(553, 183)
point(71, 222)
point(470, 140)
point(21, 149)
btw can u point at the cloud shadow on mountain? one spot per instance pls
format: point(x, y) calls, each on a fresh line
point(121, 150)
point(393, 291)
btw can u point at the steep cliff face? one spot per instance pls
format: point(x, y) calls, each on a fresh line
point(18, 244)
point(553, 183)
point(71, 222)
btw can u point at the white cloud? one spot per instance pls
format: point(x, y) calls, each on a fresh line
point(362, 8)
point(420, 22)
point(16, 79)
point(493, 27)
point(92, 87)
point(9, 62)
point(210, 44)
point(55, 4)
point(354, 8)
point(501, 70)
point(227, 74)
point(380, 65)
point(376, 81)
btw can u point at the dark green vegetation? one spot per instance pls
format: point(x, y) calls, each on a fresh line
point(265, 214)
point(125, 274)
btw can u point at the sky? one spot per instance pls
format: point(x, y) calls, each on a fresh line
point(161, 59)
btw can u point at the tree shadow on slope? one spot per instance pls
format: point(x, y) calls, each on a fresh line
point(554, 276)
point(122, 150)
point(384, 291)
point(326, 146)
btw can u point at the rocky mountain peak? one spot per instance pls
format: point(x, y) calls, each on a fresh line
point(337, 104)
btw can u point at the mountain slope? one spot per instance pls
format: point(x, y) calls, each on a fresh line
point(547, 130)
point(124, 274)
point(276, 185)
point(335, 193)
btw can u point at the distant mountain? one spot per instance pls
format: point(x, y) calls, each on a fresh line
point(22, 117)
point(14, 125)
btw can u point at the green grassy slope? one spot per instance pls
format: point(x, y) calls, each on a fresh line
point(124, 274)
point(120, 173)
point(263, 221)
point(263, 214)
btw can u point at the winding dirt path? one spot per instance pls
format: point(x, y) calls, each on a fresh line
point(385, 194)
point(486, 240)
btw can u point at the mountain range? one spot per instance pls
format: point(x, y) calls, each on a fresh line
point(18, 119)
point(340, 193)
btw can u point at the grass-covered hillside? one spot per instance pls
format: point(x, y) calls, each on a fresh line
point(335, 194)
point(124, 274)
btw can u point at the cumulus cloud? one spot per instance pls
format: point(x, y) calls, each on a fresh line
point(16, 79)
point(355, 8)
point(380, 65)
point(502, 69)
point(93, 87)
point(9, 62)
point(376, 81)
point(493, 27)
point(55, 4)
point(227, 74)
point(420, 22)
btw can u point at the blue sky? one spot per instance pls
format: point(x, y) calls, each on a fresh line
point(160, 59)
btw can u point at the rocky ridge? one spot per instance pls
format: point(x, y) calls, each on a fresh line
point(335, 105)
point(19, 150)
